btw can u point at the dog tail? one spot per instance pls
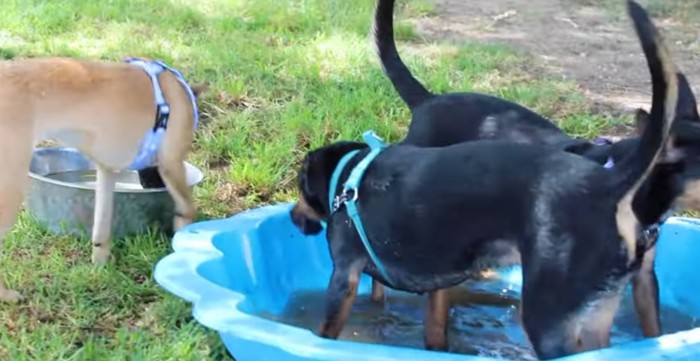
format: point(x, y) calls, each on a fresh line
point(635, 168)
point(409, 88)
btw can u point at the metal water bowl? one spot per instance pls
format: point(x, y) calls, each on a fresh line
point(61, 196)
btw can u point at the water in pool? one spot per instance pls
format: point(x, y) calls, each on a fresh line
point(483, 321)
point(126, 180)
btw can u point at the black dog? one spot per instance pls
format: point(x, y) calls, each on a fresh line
point(446, 119)
point(429, 212)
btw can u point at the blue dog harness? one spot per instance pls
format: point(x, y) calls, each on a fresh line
point(149, 146)
point(350, 193)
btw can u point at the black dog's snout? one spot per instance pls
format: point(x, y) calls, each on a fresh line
point(306, 226)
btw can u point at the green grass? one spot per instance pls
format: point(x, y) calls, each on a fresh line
point(286, 76)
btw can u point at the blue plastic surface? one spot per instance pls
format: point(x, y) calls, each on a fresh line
point(232, 268)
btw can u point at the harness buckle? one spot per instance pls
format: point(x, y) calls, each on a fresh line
point(162, 116)
point(348, 195)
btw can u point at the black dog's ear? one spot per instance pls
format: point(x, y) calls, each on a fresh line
point(641, 118)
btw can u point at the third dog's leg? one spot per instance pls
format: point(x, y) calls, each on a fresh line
point(436, 319)
point(102, 224)
point(645, 289)
point(377, 292)
point(341, 294)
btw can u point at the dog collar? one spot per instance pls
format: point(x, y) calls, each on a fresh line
point(350, 193)
point(647, 240)
point(149, 146)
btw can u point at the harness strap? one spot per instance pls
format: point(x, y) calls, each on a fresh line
point(153, 69)
point(350, 193)
point(352, 185)
point(647, 240)
point(333, 201)
point(146, 155)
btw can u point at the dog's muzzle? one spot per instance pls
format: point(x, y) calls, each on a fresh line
point(306, 225)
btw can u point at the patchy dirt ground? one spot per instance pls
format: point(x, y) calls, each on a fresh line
point(595, 46)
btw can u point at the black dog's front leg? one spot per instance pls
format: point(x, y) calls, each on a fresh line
point(377, 295)
point(645, 290)
point(436, 320)
point(341, 295)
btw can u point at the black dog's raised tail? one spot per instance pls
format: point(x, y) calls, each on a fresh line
point(409, 88)
point(634, 169)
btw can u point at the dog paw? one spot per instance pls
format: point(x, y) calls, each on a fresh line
point(11, 296)
point(100, 257)
point(181, 222)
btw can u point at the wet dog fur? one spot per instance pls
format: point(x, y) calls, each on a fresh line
point(430, 211)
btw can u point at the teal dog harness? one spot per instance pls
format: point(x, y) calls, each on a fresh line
point(149, 146)
point(350, 194)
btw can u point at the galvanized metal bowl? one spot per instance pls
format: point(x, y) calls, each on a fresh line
point(61, 196)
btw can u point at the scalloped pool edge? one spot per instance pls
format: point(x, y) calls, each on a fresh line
point(251, 338)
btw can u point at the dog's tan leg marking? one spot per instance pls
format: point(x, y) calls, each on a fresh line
point(436, 319)
point(377, 292)
point(104, 208)
point(333, 325)
point(645, 289)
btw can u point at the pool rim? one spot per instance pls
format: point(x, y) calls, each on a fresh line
point(189, 169)
point(215, 306)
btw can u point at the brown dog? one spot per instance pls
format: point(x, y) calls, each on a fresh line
point(104, 109)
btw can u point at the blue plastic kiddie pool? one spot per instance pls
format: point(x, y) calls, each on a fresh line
point(233, 270)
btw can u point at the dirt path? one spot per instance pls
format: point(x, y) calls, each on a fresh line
point(584, 43)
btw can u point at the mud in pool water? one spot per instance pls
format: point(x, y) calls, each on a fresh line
point(484, 320)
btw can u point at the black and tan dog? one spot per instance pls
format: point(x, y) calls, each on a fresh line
point(428, 214)
point(445, 119)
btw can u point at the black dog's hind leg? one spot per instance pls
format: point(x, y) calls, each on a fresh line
point(377, 292)
point(150, 178)
point(342, 292)
point(645, 290)
point(436, 319)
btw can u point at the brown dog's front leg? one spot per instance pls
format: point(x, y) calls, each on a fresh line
point(342, 292)
point(436, 318)
point(645, 290)
point(377, 292)
point(102, 224)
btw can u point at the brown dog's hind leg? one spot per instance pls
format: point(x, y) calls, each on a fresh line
point(645, 290)
point(104, 209)
point(377, 295)
point(341, 295)
point(171, 167)
point(175, 179)
point(436, 319)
